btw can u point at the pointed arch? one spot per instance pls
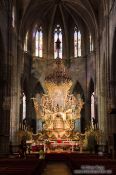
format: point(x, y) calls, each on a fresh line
point(79, 90)
point(39, 42)
point(58, 45)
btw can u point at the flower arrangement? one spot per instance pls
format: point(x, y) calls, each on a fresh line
point(41, 154)
point(47, 142)
point(97, 133)
point(92, 137)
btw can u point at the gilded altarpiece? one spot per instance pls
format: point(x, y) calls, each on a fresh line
point(58, 110)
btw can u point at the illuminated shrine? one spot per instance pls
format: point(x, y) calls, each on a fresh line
point(58, 110)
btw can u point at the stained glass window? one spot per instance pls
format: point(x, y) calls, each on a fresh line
point(77, 42)
point(26, 43)
point(24, 106)
point(58, 42)
point(92, 108)
point(39, 43)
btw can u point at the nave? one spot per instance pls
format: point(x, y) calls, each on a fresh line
point(58, 164)
point(57, 87)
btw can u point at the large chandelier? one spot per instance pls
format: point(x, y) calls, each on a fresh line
point(60, 74)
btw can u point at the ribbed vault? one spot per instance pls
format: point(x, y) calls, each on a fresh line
point(83, 12)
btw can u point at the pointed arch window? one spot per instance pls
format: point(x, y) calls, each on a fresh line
point(39, 42)
point(24, 106)
point(77, 42)
point(92, 109)
point(58, 42)
point(91, 43)
point(26, 42)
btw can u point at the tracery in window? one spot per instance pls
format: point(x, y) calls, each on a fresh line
point(39, 42)
point(58, 42)
point(77, 42)
point(91, 43)
point(26, 42)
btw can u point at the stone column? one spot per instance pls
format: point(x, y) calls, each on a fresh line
point(5, 91)
point(5, 112)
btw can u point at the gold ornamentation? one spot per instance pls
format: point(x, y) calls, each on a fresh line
point(58, 108)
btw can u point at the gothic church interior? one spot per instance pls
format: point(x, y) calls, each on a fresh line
point(57, 70)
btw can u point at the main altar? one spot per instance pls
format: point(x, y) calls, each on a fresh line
point(58, 112)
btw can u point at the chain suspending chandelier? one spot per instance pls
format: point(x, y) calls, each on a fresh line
point(60, 75)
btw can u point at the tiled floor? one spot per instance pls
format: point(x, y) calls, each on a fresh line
point(57, 169)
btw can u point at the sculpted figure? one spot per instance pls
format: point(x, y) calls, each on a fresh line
point(58, 122)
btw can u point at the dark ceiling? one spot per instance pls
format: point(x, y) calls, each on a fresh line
point(84, 12)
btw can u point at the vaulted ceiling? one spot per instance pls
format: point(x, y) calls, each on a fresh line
point(80, 11)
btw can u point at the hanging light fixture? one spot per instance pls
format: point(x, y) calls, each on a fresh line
point(59, 75)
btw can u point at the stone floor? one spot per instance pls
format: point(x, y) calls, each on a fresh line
point(56, 168)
